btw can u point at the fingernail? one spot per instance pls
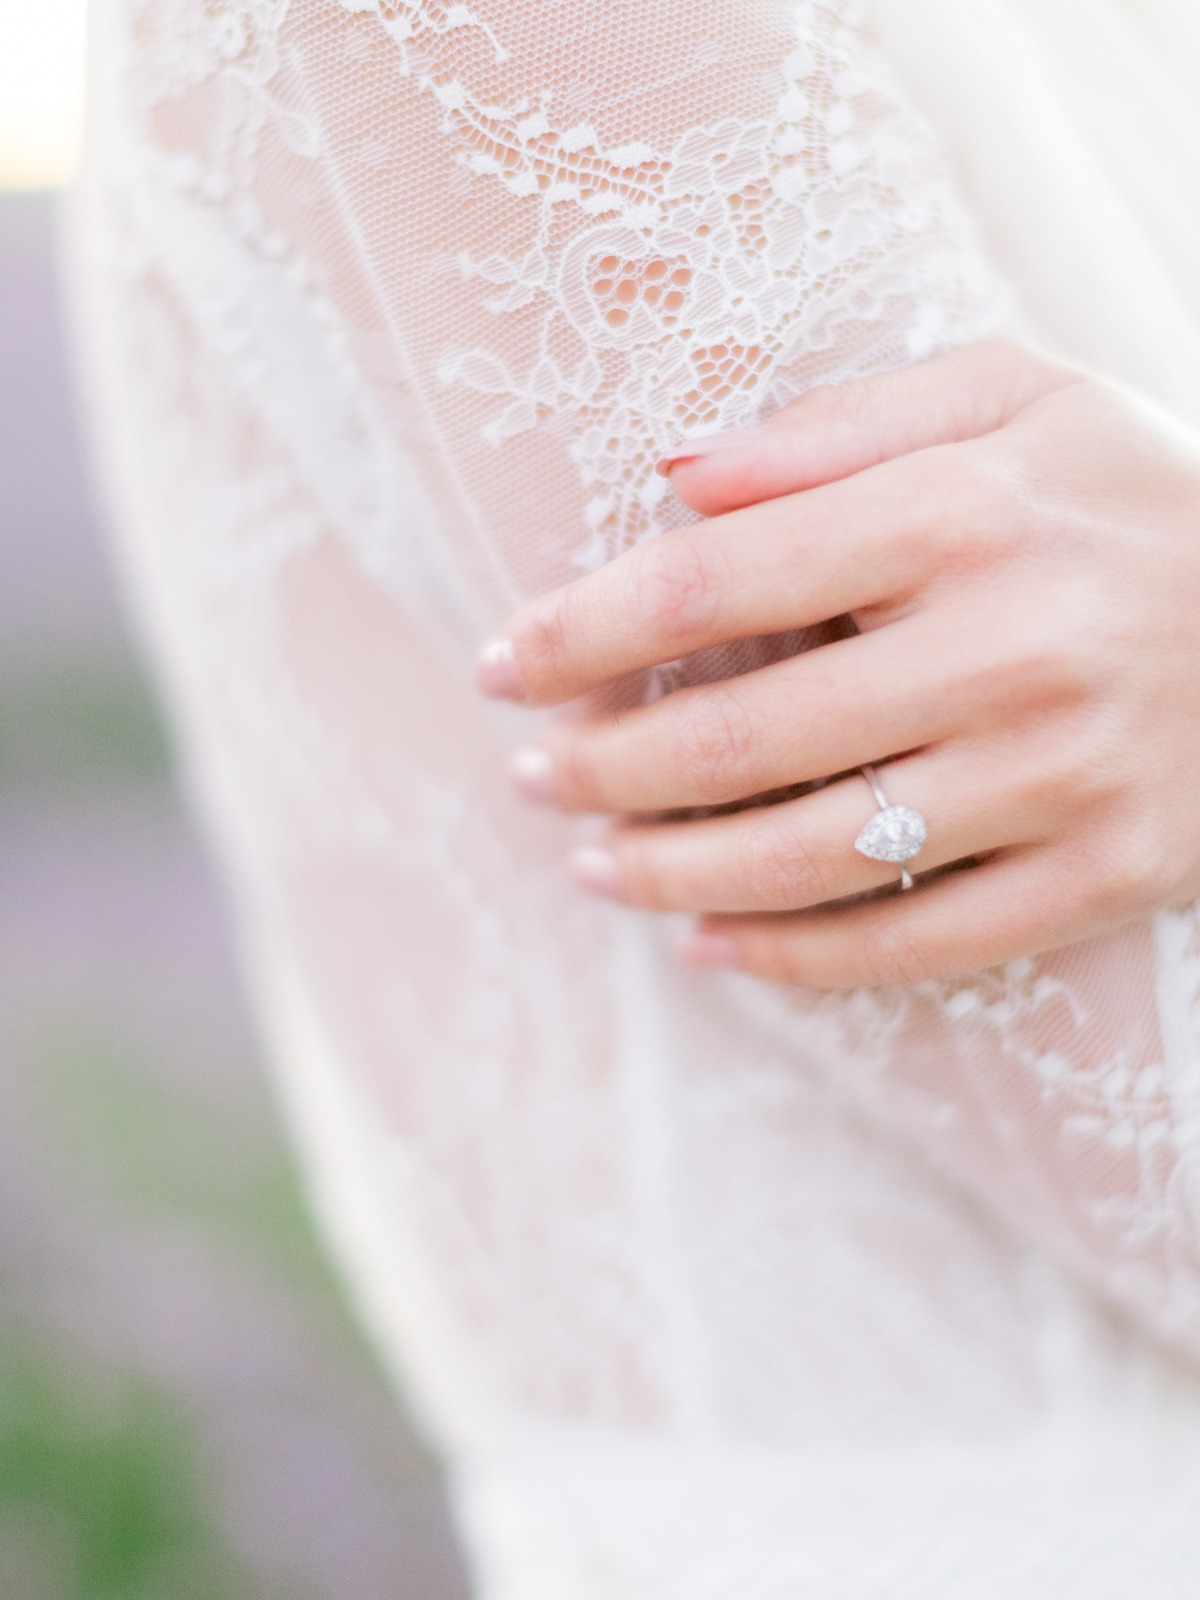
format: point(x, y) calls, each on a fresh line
point(497, 673)
point(711, 444)
point(533, 773)
point(707, 951)
point(596, 871)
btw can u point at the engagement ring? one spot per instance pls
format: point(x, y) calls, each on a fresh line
point(895, 833)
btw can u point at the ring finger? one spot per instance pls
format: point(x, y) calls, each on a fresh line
point(801, 853)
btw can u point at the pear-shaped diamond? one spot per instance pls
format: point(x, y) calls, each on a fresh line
point(894, 834)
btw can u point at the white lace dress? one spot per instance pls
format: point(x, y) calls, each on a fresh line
point(708, 1292)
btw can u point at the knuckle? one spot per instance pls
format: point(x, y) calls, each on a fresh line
point(1050, 670)
point(979, 512)
point(976, 480)
point(1062, 668)
point(891, 955)
point(680, 587)
point(1118, 875)
point(955, 518)
point(1050, 783)
point(543, 639)
point(781, 870)
point(848, 404)
point(1093, 646)
point(1095, 768)
point(1072, 758)
point(578, 769)
point(1139, 867)
point(1027, 674)
point(715, 741)
point(643, 879)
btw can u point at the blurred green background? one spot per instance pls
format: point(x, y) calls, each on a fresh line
point(186, 1408)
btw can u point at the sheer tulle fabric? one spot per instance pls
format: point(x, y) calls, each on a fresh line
point(388, 307)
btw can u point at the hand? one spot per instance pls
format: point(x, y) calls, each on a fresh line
point(1019, 544)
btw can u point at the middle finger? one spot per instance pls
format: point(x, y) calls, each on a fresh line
point(829, 710)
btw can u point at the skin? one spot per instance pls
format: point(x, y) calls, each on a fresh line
point(1018, 542)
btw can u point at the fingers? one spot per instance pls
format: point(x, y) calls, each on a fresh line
point(827, 711)
point(783, 565)
point(843, 539)
point(1016, 905)
point(837, 430)
point(799, 854)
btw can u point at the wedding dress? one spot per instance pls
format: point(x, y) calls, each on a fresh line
point(387, 308)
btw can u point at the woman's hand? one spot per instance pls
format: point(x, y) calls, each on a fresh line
point(1019, 544)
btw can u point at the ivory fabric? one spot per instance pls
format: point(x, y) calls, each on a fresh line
point(386, 309)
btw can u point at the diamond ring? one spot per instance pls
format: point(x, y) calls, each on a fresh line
point(894, 833)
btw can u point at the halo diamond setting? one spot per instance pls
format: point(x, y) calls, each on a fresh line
point(896, 834)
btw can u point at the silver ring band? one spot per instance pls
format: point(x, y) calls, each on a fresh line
point(894, 833)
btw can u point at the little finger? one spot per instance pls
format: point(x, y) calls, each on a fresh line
point(1017, 904)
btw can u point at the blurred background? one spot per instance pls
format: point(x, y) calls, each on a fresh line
point(187, 1410)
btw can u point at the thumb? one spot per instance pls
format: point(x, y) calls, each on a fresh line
point(836, 430)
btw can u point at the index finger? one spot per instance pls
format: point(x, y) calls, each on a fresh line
point(787, 563)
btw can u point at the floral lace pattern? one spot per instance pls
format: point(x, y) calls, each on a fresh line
point(388, 307)
point(703, 270)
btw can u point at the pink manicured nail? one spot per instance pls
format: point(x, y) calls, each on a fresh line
point(711, 444)
point(707, 951)
point(497, 673)
point(596, 871)
point(533, 773)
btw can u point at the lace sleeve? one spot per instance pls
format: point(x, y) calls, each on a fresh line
point(1063, 1091)
point(391, 306)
